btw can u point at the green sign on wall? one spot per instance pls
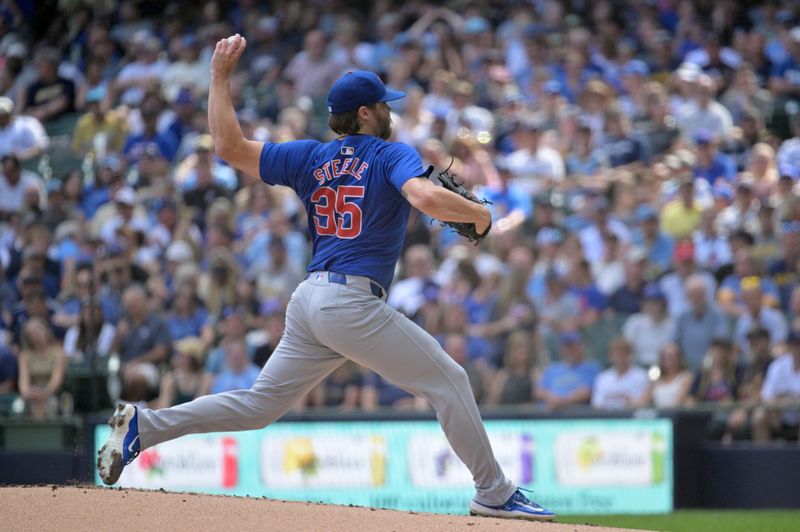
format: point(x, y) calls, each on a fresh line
point(573, 466)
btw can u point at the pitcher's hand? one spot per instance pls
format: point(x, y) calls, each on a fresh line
point(226, 55)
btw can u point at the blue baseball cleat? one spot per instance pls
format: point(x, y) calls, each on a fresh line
point(122, 446)
point(518, 506)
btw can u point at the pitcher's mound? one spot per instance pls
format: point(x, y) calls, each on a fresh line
point(90, 508)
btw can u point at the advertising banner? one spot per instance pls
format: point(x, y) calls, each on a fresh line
point(574, 466)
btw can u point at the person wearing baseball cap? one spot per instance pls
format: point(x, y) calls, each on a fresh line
point(358, 88)
point(569, 382)
point(21, 135)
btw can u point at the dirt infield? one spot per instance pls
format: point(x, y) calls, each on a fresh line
point(90, 508)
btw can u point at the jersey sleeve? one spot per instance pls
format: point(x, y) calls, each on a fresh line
point(281, 163)
point(402, 163)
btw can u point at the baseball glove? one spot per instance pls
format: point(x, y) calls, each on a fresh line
point(465, 229)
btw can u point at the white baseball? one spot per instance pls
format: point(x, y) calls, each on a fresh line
point(231, 39)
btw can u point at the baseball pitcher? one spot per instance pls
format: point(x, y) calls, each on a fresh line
point(358, 191)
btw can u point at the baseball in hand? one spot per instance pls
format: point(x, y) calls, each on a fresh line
point(231, 39)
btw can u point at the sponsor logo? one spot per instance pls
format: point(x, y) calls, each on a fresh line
point(432, 462)
point(588, 459)
point(323, 461)
point(197, 463)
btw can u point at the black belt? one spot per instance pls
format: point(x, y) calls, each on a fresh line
point(340, 278)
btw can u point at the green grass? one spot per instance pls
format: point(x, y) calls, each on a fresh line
point(699, 520)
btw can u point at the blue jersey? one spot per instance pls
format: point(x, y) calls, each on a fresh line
point(351, 191)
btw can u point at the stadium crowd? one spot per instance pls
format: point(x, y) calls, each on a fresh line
point(641, 157)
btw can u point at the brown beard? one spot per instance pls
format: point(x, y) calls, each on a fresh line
point(385, 128)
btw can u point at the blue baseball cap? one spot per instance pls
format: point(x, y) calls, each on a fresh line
point(357, 88)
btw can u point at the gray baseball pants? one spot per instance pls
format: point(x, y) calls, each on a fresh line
point(327, 323)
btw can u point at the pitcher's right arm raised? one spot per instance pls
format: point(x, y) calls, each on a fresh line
point(229, 141)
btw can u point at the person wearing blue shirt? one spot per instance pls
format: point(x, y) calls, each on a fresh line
point(358, 190)
point(150, 141)
point(712, 165)
point(569, 382)
point(648, 236)
point(239, 372)
point(507, 199)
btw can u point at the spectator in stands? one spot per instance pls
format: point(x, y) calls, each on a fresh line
point(50, 96)
point(534, 165)
point(187, 317)
point(730, 290)
point(718, 381)
point(659, 129)
point(515, 382)
point(280, 275)
point(15, 183)
point(9, 372)
point(143, 344)
point(788, 156)
point(342, 389)
point(699, 325)
point(657, 245)
point(681, 216)
point(619, 147)
point(41, 369)
point(712, 249)
point(671, 388)
point(749, 392)
point(193, 173)
point(567, 383)
point(627, 299)
point(20, 135)
point(408, 294)
point(743, 213)
point(91, 334)
point(239, 373)
point(271, 321)
point(672, 284)
point(188, 379)
point(784, 80)
point(141, 74)
point(150, 142)
point(651, 329)
point(624, 384)
point(780, 415)
point(217, 288)
point(99, 130)
point(704, 113)
point(757, 313)
point(711, 165)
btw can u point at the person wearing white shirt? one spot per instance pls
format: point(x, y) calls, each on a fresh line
point(788, 156)
point(14, 182)
point(757, 314)
point(408, 295)
point(623, 385)
point(705, 113)
point(651, 329)
point(21, 135)
point(532, 164)
point(138, 75)
point(780, 394)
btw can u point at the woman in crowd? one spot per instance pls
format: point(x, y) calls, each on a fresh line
point(515, 382)
point(91, 333)
point(671, 388)
point(41, 369)
point(188, 379)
